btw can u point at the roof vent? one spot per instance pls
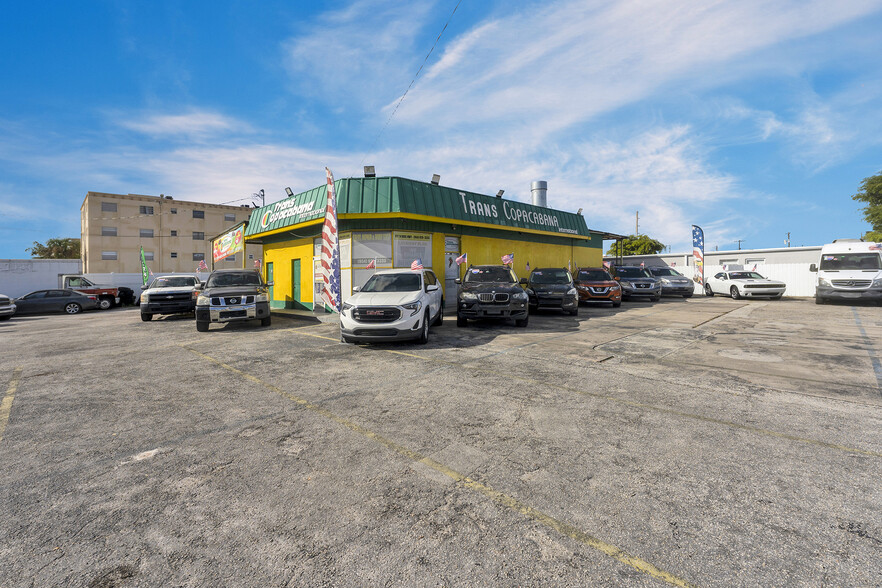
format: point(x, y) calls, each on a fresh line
point(540, 193)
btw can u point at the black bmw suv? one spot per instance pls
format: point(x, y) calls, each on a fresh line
point(232, 295)
point(491, 292)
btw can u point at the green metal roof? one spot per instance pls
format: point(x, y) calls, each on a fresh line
point(421, 200)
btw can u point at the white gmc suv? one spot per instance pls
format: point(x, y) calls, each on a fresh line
point(393, 305)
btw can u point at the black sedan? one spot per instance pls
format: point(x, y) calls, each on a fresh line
point(43, 301)
point(552, 288)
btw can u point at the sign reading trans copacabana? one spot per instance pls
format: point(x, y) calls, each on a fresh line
point(419, 200)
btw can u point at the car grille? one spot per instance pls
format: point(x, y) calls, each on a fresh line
point(748, 286)
point(852, 283)
point(493, 297)
point(602, 290)
point(232, 314)
point(5, 301)
point(376, 332)
point(639, 285)
point(232, 300)
point(174, 297)
point(376, 314)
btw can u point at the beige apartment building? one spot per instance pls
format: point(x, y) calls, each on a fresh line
point(176, 234)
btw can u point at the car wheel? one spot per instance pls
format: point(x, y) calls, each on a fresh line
point(440, 318)
point(708, 291)
point(5, 318)
point(104, 303)
point(819, 300)
point(72, 308)
point(575, 312)
point(655, 298)
point(201, 326)
point(266, 321)
point(617, 304)
point(146, 317)
point(687, 295)
point(522, 322)
point(461, 321)
point(424, 332)
point(733, 291)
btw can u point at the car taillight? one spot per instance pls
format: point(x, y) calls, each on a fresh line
point(93, 298)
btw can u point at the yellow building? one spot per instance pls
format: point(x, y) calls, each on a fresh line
point(175, 234)
point(391, 222)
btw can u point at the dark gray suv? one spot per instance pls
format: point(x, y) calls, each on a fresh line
point(636, 281)
point(491, 292)
point(673, 282)
point(232, 295)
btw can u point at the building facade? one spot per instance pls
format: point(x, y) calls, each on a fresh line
point(175, 234)
point(388, 222)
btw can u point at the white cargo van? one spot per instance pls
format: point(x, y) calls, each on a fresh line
point(849, 269)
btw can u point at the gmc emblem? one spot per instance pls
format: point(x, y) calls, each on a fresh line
point(374, 312)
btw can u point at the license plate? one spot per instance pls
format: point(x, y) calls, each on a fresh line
point(494, 312)
point(851, 295)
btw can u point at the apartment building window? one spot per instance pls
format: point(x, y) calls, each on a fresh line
point(145, 210)
point(198, 214)
point(230, 217)
point(111, 255)
point(198, 236)
point(174, 234)
point(108, 231)
point(231, 258)
point(198, 256)
point(108, 207)
point(148, 256)
point(174, 211)
point(146, 233)
point(174, 255)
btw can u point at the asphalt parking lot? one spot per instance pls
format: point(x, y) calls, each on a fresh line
point(705, 442)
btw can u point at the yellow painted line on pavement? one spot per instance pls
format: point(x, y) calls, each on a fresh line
point(6, 403)
point(499, 497)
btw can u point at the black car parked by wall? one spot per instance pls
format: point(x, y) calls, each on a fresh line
point(552, 287)
point(636, 281)
point(43, 301)
point(491, 292)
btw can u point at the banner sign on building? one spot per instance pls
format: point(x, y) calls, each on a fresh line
point(229, 243)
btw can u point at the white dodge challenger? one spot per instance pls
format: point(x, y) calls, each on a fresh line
point(743, 284)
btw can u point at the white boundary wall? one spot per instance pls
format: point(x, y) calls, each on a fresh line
point(789, 265)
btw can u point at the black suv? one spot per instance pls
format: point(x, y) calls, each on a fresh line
point(233, 295)
point(552, 287)
point(491, 291)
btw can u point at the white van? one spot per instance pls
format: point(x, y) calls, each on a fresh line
point(849, 269)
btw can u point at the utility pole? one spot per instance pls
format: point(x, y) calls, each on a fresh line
point(787, 242)
point(262, 197)
point(637, 224)
point(739, 241)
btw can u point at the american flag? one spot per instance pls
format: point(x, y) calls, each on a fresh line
point(464, 258)
point(417, 265)
point(754, 268)
point(507, 258)
point(874, 247)
point(642, 264)
point(372, 264)
point(202, 267)
point(725, 267)
point(606, 264)
point(257, 263)
point(698, 252)
point(330, 258)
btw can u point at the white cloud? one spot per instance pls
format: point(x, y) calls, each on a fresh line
point(192, 124)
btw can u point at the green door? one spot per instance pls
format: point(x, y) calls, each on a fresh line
point(295, 284)
point(269, 279)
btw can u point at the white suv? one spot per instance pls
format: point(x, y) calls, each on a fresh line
point(393, 305)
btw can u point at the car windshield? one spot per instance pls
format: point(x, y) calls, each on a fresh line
point(393, 283)
point(501, 275)
point(173, 282)
point(745, 276)
point(552, 276)
point(632, 272)
point(850, 261)
point(664, 271)
point(233, 279)
point(594, 276)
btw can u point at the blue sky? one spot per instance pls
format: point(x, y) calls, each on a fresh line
point(751, 119)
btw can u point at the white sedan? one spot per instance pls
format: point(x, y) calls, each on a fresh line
point(743, 284)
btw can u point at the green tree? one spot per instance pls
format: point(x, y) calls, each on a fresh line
point(871, 193)
point(57, 248)
point(636, 245)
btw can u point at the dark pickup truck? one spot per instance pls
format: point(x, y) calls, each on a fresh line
point(232, 295)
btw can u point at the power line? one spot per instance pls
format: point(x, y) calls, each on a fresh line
point(412, 82)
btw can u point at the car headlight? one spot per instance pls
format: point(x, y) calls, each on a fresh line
point(203, 301)
point(666, 282)
point(520, 296)
point(145, 297)
point(824, 282)
point(571, 292)
point(877, 283)
point(261, 298)
point(468, 297)
point(413, 306)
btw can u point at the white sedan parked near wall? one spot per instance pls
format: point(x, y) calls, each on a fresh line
point(743, 284)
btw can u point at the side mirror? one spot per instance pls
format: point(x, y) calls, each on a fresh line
point(269, 284)
point(144, 287)
point(617, 278)
point(813, 268)
point(356, 289)
point(201, 285)
point(457, 281)
point(525, 281)
point(431, 287)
